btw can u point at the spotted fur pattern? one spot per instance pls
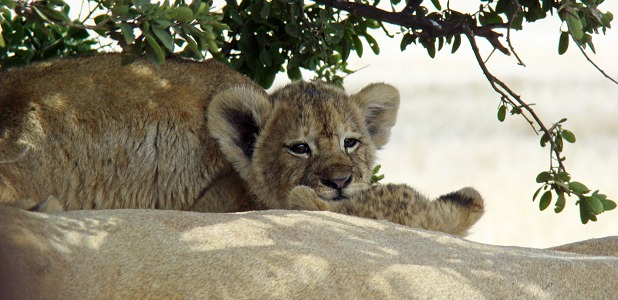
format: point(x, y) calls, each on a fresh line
point(452, 213)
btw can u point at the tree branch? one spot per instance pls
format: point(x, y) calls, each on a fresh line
point(411, 6)
point(429, 28)
point(514, 99)
point(595, 65)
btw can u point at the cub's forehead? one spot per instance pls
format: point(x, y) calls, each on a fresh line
point(316, 107)
point(313, 93)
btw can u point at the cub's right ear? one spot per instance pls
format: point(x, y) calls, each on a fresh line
point(235, 118)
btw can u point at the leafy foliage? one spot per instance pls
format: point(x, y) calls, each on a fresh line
point(559, 181)
point(375, 176)
point(261, 38)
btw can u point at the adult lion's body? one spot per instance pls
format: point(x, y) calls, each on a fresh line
point(186, 135)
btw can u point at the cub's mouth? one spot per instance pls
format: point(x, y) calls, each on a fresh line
point(339, 197)
point(330, 194)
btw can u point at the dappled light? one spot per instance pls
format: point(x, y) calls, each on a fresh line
point(287, 254)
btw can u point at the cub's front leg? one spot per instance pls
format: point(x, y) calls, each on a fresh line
point(452, 213)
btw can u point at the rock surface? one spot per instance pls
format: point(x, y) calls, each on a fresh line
point(144, 254)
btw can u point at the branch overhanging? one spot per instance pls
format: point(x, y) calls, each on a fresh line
point(429, 28)
point(515, 100)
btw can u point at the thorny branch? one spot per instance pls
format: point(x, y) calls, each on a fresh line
point(508, 34)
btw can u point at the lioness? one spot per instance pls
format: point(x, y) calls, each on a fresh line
point(186, 135)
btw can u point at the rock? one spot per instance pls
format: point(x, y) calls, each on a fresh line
point(140, 254)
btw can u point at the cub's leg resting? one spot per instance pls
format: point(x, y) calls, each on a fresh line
point(452, 213)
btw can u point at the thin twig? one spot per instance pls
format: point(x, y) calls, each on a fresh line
point(508, 35)
point(510, 96)
point(595, 65)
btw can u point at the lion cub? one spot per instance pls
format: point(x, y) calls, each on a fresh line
point(452, 213)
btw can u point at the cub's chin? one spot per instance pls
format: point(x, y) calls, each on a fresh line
point(329, 194)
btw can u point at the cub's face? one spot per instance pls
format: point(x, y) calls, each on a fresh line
point(309, 134)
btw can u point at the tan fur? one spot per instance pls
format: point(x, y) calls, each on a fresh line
point(187, 135)
point(453, 213)
point(277, 254)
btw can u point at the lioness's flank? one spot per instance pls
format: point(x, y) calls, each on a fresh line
point(185, 135)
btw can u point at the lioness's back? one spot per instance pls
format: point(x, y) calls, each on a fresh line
point(103, 85)
point(91, 124)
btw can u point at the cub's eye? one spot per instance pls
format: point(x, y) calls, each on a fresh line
point(301, 148)
point(350, 143)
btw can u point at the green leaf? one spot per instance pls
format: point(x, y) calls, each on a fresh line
point(376, 169)
point(560, 202)
point(265, 57)
point(192, 46)
point(334, 32)
point(120, 10)
point(164, 37)
point(545, 200)
point(536, 193)
point(558, 142)
point(406, 40)
point(578, 187)
point(563, 43)
point(568, 136)
point(436, 4)
point(265, 12)
point(182, 14)
point(2, 42)
point(235, 16)
point(606, 19)
point(543, 177)
point(456, 43)
point(584, 211)
point(564, 176)
point(575, 25)
point(294, 73)
point(127, 33)
point(502, 113)
point(292, 29)
point(608, 205)
point(156, 55)
point(546, 4)
point(595, 204)
point(358, 45)
point(373, 44)
point(544, 140)
point(164, 23)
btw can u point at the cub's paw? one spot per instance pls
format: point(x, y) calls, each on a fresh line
point(50, 205)
point(467, 197)
point(304, 198)
point(461, 209)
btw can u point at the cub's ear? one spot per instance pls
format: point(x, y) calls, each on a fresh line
point(379, 103)
point(235, 118)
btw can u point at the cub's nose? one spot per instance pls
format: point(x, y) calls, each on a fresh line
point(337, 183)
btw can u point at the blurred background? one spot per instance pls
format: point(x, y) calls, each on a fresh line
point(447, 134)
